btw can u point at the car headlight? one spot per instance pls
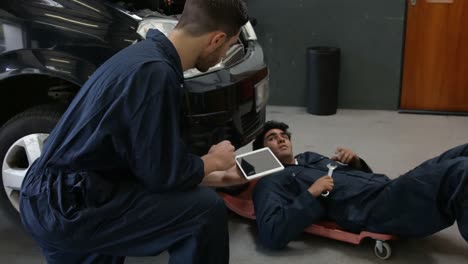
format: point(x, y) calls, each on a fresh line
point(194, 72)
point(162, 24)
point(261, 93)
point(166, 26)
point(249, 32)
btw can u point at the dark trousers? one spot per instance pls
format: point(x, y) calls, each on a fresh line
point(191, 225)
point(427, 199)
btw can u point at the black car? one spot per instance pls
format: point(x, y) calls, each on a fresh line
point(49, 48)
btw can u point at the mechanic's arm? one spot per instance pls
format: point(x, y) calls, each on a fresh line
point(279, 219)
point(347, 156)
point(225, 178)
point(158, 157)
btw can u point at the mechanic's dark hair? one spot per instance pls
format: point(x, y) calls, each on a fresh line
point(203, 16)
point(258, 142)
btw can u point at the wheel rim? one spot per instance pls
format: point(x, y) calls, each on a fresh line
point(16, 163)
point(384, 252)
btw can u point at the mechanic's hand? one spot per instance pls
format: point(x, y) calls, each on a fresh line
point(233, 176)
point(321, 185)
point(347, 156)
point(223, 153)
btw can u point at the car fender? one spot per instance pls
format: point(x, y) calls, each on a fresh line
point(45, 62)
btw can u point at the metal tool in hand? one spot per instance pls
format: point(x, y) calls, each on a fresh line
point(331, 168)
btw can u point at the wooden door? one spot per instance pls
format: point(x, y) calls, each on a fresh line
point(435, 68)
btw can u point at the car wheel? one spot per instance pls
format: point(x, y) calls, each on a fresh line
point(21, 141)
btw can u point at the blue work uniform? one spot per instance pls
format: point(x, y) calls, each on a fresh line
point(115, 179)
point(419, 203)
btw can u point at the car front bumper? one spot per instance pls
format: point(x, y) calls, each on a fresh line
point(227, 104)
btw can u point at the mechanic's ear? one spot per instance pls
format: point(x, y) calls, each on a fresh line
point(217, 40)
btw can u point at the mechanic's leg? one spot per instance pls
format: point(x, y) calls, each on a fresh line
point(209, 241)
point(191, 225)
point(460, 151)
point(462, 219)
point(55, 256)
point(283, 208)
point(423, 201)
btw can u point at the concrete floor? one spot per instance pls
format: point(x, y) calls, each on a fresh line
point(391, 143)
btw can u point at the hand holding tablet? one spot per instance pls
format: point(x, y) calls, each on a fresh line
point(258, 163)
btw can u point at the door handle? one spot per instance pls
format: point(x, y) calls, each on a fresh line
point(414, 2)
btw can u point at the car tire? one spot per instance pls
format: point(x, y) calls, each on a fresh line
point(39, 120)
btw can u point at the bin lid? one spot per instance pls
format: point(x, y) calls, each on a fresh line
point(323, 49)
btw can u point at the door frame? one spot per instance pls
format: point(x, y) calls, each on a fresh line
point(414, 111)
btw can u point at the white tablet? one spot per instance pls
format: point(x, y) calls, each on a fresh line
point(258, 163)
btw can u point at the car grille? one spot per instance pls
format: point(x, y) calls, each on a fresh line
point(251, 122)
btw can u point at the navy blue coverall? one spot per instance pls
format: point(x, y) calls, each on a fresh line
point(419, 203)
point(115, 178)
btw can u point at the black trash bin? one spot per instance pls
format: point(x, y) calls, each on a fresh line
point(323, 74)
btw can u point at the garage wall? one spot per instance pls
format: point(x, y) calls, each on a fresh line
point(369, 33)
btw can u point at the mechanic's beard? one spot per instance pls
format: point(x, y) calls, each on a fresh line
point(201, 68)
point(204, 64)
point(284, 156)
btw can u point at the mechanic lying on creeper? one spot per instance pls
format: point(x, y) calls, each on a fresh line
point(419, 203)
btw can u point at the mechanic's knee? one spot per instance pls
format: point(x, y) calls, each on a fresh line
point(456, 169)
point(464, 147)
point(272, 242)
point(461, 162)
point(463, 228)
point(209, 201)
point(271, 238)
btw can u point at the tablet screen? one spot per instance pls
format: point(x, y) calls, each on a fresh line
point(258, 163)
